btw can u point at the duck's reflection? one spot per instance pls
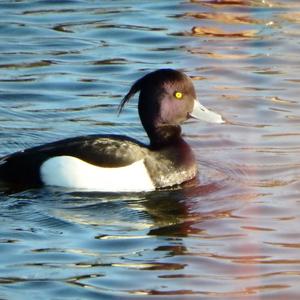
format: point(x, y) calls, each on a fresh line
point(161, 213)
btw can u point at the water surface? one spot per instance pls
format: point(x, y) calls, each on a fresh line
point(233, 233)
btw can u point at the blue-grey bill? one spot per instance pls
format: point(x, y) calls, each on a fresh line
point(202, 113)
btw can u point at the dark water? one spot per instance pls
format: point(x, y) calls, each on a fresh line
point(231, 234)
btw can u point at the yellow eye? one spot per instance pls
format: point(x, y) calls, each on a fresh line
point(178, 95)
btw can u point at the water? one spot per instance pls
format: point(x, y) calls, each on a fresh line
point(231, 234)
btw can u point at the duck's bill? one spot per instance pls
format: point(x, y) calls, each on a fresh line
point(202, 113)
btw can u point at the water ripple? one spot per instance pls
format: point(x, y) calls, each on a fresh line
point(230, 233)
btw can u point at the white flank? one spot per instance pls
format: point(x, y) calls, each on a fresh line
point(71, 172)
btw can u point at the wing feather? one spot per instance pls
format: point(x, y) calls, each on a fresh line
point(100, 150)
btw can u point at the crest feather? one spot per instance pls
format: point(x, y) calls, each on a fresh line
point(133, 90)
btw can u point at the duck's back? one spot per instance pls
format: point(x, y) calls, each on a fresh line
point(103, 151)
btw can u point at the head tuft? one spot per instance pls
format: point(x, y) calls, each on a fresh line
point(133, 90)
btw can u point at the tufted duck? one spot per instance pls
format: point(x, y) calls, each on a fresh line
point(118, 163)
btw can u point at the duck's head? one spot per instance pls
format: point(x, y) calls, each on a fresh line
point(167, 99)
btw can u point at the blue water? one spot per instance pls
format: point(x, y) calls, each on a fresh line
point(233, 233)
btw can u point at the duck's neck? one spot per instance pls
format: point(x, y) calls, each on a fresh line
point(162, 136)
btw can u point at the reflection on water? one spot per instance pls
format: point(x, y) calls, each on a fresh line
point(230, 234)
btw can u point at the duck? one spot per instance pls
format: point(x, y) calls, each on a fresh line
point(117, 163)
